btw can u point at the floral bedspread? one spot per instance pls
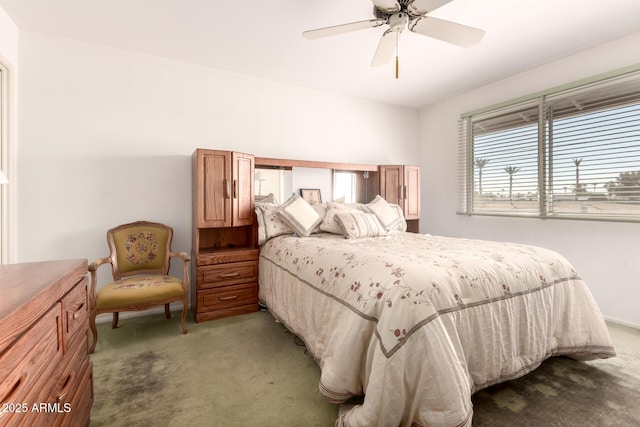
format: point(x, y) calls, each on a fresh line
point(417, 323)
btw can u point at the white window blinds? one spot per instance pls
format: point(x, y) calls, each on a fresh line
point(572, 153)
point(594, 142)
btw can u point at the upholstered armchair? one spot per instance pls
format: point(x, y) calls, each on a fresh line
point(140, 259)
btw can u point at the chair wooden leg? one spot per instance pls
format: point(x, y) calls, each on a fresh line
point(183, 320)
point(94, 330)
point(114, 322)
point(167, 311)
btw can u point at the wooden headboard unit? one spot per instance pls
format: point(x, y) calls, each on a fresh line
point(398, 184)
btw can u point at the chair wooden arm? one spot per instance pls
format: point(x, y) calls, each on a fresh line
point(185, 256)
point(98, 262)
point(93, 268)
point(185, 267)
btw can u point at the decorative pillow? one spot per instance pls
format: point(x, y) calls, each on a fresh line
point(402, 224)
point(387, 215)
point(299, 215)
point(269, 224)
point(329, 224)
point(354, 225)
point(322, 210)
point(269, 199)
point(356, 205)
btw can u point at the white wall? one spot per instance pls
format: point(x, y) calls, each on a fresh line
point(605, 254)
point(9, 61)
point(8, 38)
point(106, 137)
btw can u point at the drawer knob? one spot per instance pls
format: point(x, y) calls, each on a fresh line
point(228, 298)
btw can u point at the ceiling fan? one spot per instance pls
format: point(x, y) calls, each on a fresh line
point(401, 14)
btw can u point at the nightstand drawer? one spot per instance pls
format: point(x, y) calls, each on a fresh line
point(227, 297)
point(227, 274)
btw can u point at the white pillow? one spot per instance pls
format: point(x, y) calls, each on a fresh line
point(299, 215)
point(269, 224)
point(270, 199)
point(354, 225)
point(329, 224)
point(322, 210)
point(402, 224)
point(387, 215)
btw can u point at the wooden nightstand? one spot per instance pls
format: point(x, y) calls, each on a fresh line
point(226, 284)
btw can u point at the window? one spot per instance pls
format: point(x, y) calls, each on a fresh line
point(569, 153)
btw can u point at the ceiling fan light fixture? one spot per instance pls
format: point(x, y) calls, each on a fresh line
point(398, 21)
point(387, 6)
point(401, 14)
point(422, 7)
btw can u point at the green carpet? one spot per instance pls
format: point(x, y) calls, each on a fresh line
point(568, 393)
point(249, 371)
point(239, 371)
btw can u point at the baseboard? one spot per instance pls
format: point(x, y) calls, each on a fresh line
point(619, 322)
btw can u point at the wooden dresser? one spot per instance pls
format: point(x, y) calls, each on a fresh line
point(46, 376)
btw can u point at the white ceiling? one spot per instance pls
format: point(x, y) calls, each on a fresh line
point(263, 38)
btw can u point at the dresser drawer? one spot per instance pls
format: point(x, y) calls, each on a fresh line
point(77, 404)
point(227, 297)
point(75, 314)
point(25, 371)
point(68, 377)
point(82, 401)
point(227, 274)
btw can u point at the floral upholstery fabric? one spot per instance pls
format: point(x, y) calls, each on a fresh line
point(136, 289)
point(141, 248)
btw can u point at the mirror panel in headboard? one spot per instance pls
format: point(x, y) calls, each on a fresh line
point(276, 181)
point(282, 177)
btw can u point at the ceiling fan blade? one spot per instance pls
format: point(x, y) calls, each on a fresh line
point(421, 7)
point(387, 6)
point(343, 28)
point(446, 31)
point(385, 49)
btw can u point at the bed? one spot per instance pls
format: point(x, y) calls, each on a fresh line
point(415, 324)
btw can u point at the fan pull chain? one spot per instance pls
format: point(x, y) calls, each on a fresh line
point(397, 61)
